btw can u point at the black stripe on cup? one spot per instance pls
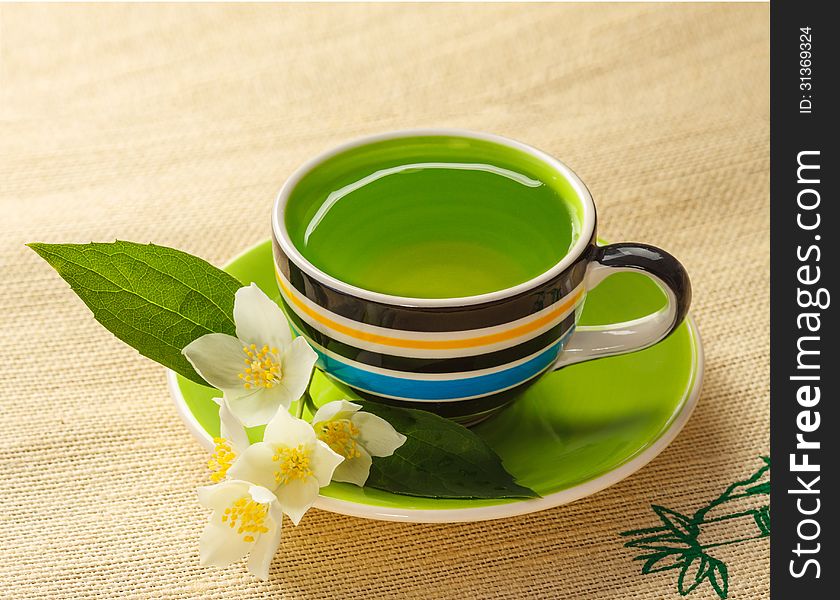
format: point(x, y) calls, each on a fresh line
point(430, 365)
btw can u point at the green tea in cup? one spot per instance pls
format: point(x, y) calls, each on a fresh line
point(438, 220)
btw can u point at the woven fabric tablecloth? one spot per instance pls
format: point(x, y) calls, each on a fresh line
point(177, 124)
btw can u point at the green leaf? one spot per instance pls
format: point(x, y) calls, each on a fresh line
point(663, 542)
point(155, 299)
point(693, 573)
point(719, 578)
point(758, 483)
point(663, 561)
point(440, 459)
point(762, 519)
point(679, 524)
point(761, 488)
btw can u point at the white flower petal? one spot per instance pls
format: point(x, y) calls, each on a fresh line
point(220, 495)
point(220, 545)
point(338, 409)
point(261, 494)
point(297, 496)
point(258, 406)
point(298, 360)
point(266, 544)
point(354, 470)
point(287, 431)
point(218, 358)
point(255, 465)
point(259, 320)
point(230, 427)
point(323, 461)
point(376, 434)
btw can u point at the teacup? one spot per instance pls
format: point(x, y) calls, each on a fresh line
point(462, 357)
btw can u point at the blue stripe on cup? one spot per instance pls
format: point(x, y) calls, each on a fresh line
point(440, 389)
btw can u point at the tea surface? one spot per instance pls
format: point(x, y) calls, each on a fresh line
point(438, 229)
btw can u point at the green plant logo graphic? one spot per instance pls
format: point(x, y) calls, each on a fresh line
point(683, 543)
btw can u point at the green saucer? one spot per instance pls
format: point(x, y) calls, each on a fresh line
point(572, 433)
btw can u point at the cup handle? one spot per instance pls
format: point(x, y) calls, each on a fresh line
point(598, 341)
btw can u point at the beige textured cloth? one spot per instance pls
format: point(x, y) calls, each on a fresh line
point(177, 124)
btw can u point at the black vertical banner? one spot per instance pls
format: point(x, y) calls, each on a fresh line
point(805, 425)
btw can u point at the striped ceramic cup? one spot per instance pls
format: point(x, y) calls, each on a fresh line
point(462, 357)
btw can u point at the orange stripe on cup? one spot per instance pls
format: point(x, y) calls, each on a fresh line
point(385, 340)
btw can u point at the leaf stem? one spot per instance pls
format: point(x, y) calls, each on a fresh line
point(306, 400)
point(302, 403)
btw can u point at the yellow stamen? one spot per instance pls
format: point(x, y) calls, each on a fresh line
point(293, 463)
point(248, 517)
point(341, 436)
point(221, 459)
point(262, 367)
